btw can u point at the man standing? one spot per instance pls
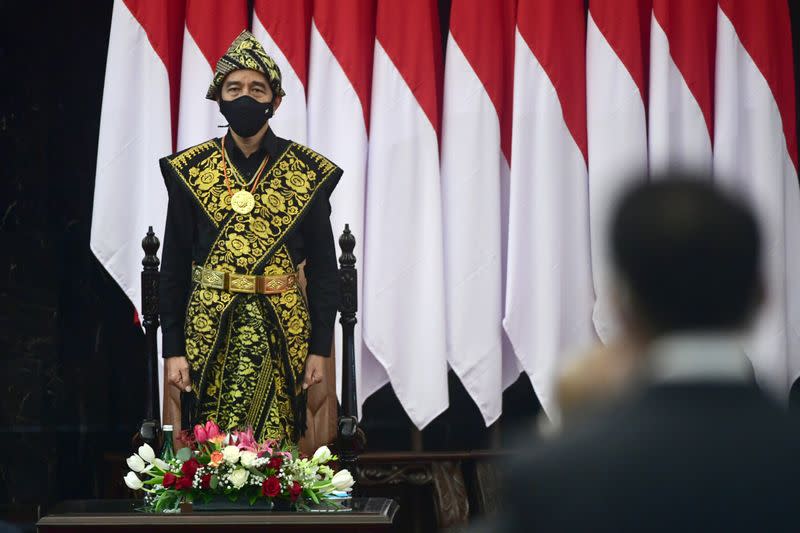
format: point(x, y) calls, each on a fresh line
point(244, 211)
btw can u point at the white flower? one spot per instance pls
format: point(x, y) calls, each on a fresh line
point(135, 463)
point(132, 481)
point(248, 458)
point(322, 455)
point(325, 472)
point(147, 453)
point(163, 465)
point(342, 480)
point(238, 477)
point(230, 454)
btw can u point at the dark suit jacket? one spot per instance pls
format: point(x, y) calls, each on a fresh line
point(679, 457)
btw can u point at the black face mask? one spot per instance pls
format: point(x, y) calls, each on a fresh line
point(246, 115)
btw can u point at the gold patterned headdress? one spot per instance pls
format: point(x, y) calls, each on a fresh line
point(246, 53)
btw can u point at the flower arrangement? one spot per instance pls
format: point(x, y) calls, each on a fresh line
point(233, 465)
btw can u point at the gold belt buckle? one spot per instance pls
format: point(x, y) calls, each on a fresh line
point(245, 283)
point(212, 279)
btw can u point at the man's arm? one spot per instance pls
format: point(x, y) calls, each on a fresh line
point(176, 260)
point(323, 293)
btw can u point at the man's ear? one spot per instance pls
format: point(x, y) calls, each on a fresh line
point(276, 102)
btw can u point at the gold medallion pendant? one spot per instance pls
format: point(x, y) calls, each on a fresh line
point(243, 202)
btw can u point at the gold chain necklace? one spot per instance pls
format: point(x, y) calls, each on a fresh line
point(242, 201)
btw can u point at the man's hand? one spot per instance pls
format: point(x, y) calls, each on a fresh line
point(177, 371)
point(315, 365)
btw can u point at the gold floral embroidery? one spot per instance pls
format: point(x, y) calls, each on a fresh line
point(247, 352)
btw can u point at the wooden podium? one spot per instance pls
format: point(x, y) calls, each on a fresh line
point(366, 515)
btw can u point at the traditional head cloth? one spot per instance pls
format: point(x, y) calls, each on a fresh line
point(246, 53)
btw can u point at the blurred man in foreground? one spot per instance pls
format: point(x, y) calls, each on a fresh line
point(696, 446)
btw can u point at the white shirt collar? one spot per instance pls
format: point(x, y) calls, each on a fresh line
point(705, 356)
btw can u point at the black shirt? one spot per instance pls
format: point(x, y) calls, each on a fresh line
point(189, 235)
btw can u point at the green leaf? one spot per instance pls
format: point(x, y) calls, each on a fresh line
point(184, 454)
point(214, 483)
point(253, 498)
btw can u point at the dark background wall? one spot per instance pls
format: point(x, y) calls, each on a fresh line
point(71, 355)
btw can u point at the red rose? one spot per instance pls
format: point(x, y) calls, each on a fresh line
point(190, 467)
point(205, 481)
point(183, 483)
point(275, 462)
point(169, 479)
point(295, 490)
point(271, 487)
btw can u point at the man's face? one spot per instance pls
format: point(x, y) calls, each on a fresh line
point(247, 83)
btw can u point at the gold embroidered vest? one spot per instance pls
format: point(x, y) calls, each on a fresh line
point(250, 243)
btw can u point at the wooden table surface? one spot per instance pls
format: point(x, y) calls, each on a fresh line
point(367, 515)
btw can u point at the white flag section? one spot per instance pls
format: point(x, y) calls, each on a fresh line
point(471, 168)
point(617, 134)
point(336, 128)
point(404, 322)
point(289, 121)
point(678, 134)
point(199, 119)
point(135, 131)
point(751, 157)
point(549, 294)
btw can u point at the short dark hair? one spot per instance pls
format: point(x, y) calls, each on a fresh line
point(688, 252)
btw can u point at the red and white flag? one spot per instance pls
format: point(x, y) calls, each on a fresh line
point(404, 317)
point(476, 146)
point(340, 82)
point(755, 153)
point(211, 27)
point(681, 99)
point(283, 29)
point(549, 295)
point(617, 37)
point(135, 131)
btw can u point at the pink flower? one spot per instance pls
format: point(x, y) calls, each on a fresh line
point(266, 448)
point(200, 434)
point(246, 440)
point(214, 434)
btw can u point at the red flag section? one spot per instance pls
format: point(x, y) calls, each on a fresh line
point(626, 26)
point(485, 33)
point(163, 24)
point(540, 23)
point(409, 33)
point(214, 24)
point(288, 23)
point(764, 28)
point(691, 28)
point(348, 28)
